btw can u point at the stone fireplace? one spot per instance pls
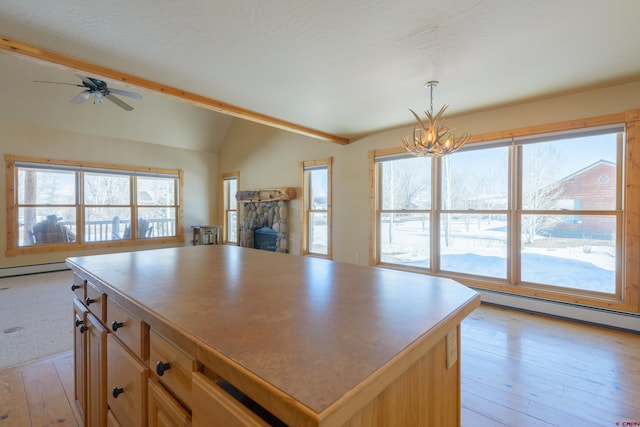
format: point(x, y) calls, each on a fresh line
point(264, 218)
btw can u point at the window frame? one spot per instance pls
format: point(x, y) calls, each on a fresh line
point(384, 211)
point(227, 207)
point(307, 206)
point(14, 162)
point(626, 297)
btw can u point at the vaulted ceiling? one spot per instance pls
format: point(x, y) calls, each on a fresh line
point(345, 68)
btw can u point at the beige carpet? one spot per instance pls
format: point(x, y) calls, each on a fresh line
point(36, 317)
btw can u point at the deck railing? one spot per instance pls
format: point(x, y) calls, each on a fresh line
point(96, 231)
point(100, 231)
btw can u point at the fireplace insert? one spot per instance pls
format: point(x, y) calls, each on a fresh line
point(265, 238)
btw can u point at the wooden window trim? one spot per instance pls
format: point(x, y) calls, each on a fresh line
point(628, 245)
point(328, 163)
point(225, 224)
point(11, 200)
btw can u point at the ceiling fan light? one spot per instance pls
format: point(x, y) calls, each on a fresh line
point(98, 98)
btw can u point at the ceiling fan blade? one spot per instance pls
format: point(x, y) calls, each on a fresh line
point(87, 82)
point(81, 97)
point(125, 93)
point(57, 83)
point(120, 103)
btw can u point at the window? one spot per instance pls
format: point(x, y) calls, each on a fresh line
point(474, 211)
point(404, 214)
point(230, 207)
point(540, 213)
point(69, 205)
point(316, 189)
point(570, 219)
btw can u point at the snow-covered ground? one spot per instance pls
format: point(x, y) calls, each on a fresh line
point(479, 248)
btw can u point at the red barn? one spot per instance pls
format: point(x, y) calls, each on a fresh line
point(591, 188)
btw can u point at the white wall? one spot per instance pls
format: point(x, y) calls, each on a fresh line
point(37, 119)
point(200, 173)
point(155, 118)
point(255, 150)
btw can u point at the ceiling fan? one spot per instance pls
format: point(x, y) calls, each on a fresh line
point(100, 91)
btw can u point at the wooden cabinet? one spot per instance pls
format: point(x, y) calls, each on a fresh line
point(80, 354)
point(110, 360)
point(126, 385)
point(164, 409)
point(96, 375)
point(171, 367)
point(111, 420)
point(79, 287)
point(212, 406)
point(130, 330)
point(95, 301)
point(179, 346)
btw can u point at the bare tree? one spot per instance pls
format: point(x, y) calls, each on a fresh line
point(406, 186)
point(540, 165)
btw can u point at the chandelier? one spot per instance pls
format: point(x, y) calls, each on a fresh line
point(436, 139)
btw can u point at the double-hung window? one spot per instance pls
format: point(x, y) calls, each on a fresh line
point(540, 215)
point(316, 215)
point(474, 203)
point(570, 210)
point(404, 211)
point(230, 207)
point(71, 205)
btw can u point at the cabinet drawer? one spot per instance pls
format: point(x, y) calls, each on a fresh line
point(131, 331)
point(176, 367)
point(126, 385)
point(212, 406)
point(79, 287)
point(164, 410)
point(96, 302)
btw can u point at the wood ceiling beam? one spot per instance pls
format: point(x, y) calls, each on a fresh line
point(74, 64)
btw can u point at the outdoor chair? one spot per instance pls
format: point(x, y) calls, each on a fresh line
point(51, 231)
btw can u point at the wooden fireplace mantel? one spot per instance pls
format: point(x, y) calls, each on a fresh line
point(266, 194)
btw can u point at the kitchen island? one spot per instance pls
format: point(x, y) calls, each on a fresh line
point(223, 335)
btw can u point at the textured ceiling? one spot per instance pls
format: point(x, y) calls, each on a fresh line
point(348, 68)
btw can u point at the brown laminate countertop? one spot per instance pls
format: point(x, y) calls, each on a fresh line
point(310, 327)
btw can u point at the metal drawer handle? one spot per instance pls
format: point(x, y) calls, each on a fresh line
point(83, 329)
point(74, 287)
point(117, 391)
point(116, 325)
point(89, 301)
point(161, 367)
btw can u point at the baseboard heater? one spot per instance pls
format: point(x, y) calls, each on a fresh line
point(32, 269)
point(593, 315)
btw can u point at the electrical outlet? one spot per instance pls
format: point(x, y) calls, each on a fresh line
point(357, 257)
point(452, 347)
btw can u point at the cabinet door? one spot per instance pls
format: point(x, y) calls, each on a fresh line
point(96, 408)
point(79, 357)
point(164, 410)
point(127, 384)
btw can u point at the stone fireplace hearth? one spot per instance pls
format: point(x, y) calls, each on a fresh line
point(262, 209)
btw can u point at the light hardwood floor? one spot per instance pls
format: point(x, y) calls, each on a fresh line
point(518, 370)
